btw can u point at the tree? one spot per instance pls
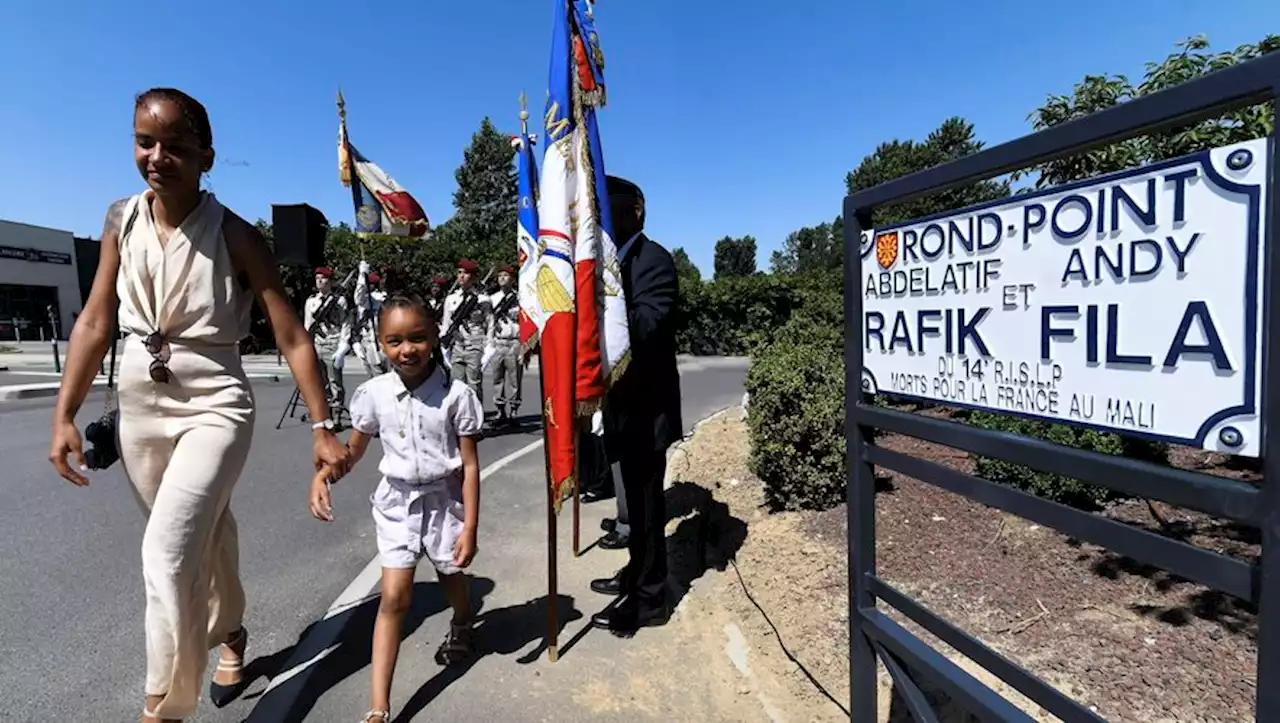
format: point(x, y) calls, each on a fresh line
point(952, 140)
point(811, 249)
point(484, 220)
point(1099, 92)
point(735, 257)
point(686, 270)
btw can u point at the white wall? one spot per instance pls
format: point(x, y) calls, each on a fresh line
point(29, 273)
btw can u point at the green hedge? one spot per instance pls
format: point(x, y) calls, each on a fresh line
point(796, 383)
point(1052, 486)
point(731, 316)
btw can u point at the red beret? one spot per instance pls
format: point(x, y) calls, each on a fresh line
point(468, 265)
point(442, 280)
point(508, 270)
point(374, 278)
point(324, 271)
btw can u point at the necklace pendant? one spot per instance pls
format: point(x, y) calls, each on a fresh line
point(402, 434)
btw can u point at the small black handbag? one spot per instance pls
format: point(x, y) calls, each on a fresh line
point(101, 433)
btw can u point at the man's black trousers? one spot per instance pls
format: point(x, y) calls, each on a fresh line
point(644, 578)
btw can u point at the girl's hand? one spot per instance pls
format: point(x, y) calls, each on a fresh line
point(326, 450)
point(321, 502)
point(464, 550)
point(66, 440)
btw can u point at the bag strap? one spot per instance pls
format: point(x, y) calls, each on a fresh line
point(115, 318)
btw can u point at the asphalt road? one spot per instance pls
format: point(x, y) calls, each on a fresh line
point(71, 645)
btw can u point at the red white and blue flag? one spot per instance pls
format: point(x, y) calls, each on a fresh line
point(532, 317)
point(574, 285)
point(382, 206)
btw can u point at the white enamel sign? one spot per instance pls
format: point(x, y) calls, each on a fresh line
point(1130, 302)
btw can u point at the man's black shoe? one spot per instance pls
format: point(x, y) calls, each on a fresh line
point(608, 524)
point(608, 585)
point(624, 620)
point(589, 496)
point(614, 541)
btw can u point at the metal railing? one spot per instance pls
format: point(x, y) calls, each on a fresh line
point(873, 633)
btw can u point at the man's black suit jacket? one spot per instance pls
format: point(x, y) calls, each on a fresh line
point(643, 407)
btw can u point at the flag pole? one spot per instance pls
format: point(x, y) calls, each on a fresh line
point(553, 617)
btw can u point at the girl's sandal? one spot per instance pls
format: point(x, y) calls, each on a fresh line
point(377, 716)
point(456, 647)
point(222, 694)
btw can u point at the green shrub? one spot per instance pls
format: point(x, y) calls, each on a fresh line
point(730, 316)
point(1055, 487)
point(796, 416)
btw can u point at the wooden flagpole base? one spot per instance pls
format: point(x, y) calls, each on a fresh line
point(553, 594)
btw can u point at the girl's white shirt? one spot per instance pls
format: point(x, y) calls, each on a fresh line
point(419, 428)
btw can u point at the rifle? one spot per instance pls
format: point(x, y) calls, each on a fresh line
point(469, 301)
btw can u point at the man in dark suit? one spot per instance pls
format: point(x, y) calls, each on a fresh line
point(642, 416)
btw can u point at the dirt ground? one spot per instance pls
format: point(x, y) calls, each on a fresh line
point(1132, 643)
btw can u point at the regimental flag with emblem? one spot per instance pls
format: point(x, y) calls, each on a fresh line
point(383, 207)
point(532, 316)
point(585, 343)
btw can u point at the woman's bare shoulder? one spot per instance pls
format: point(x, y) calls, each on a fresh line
point(238, 230)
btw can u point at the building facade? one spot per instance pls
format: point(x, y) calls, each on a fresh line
point(39, 278)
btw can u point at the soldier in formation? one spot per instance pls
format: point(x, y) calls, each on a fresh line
point(504, 337)
point(327, 315)
point(465, 327)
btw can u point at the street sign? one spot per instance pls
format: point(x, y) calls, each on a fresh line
point(1129, 302)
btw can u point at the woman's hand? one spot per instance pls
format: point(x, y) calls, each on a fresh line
point(327, 450)
point(66, 440)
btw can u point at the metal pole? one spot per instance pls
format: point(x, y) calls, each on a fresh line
point(1268, 590)
point(860, 485)
point(53, 328)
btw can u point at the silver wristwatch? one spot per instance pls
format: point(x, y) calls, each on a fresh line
point(326, 424)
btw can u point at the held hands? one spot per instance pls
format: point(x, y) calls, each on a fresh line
point(327, 451)
point(66, 440)
point(464, 550)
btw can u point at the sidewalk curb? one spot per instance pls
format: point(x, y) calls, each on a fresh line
point(36, 391)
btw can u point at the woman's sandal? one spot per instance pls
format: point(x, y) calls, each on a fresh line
point(219, 694)
point(456, 647)
point(381, 716)
point(149, 717)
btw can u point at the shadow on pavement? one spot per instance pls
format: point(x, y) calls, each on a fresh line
point(348, 636)
point(501, 631)
point(708, 536)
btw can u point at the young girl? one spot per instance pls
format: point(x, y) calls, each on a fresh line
point(428, 502)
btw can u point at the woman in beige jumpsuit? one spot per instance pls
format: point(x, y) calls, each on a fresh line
point(183, 271)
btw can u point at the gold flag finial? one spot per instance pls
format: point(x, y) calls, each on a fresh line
point(524, 113)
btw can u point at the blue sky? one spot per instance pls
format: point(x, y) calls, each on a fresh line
point(736, 117)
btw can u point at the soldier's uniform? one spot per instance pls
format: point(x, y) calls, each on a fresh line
point(330, 326)
point(468, 308)
point(368, 300)
point(505, 337)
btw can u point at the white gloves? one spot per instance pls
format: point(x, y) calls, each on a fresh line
point(338, 359)
point(486, 357)
point(597, 423)
point(364, 268)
